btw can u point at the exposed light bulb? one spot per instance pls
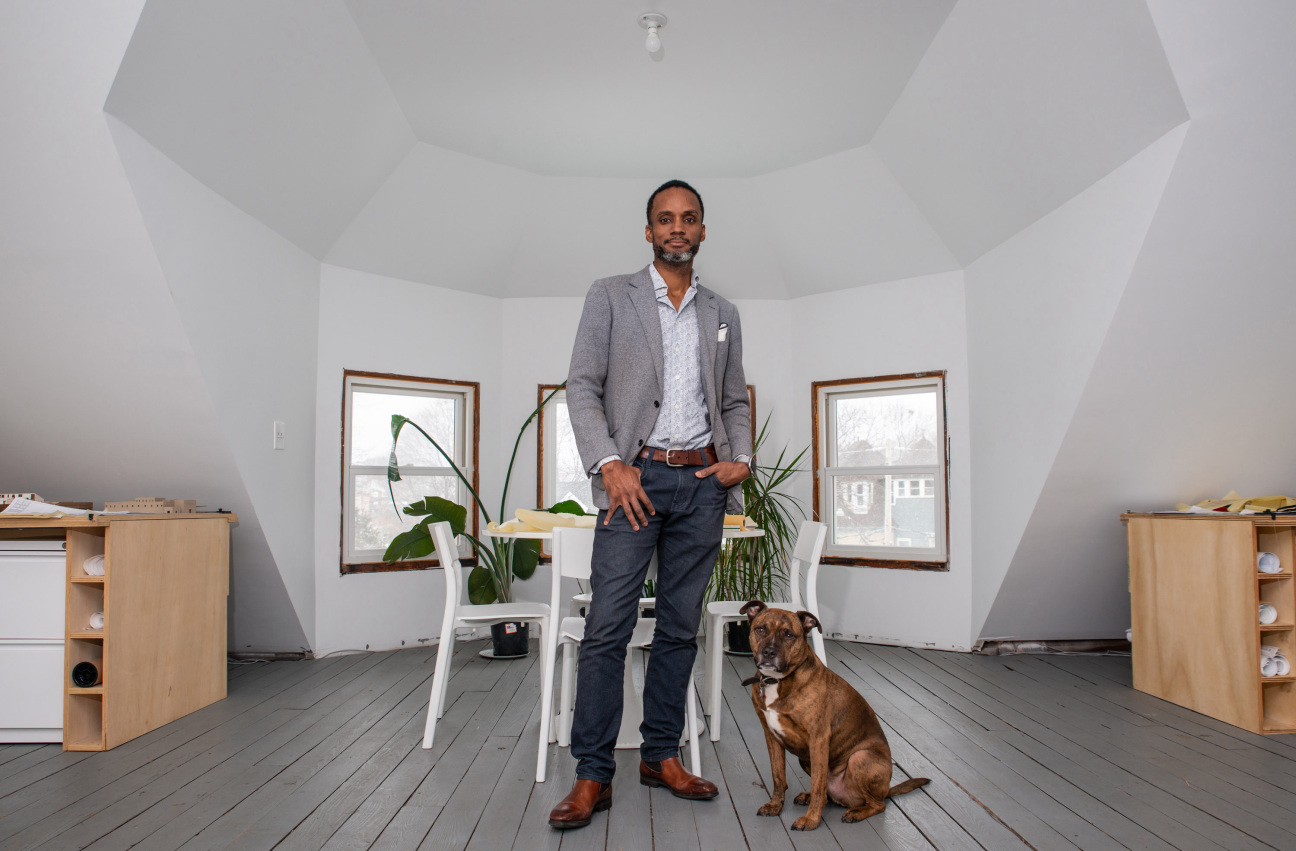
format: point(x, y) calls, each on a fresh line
point(652, 43)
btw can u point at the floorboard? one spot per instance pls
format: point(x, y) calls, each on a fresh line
point(1042, 752)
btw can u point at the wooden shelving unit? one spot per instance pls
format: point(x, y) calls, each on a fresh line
point(1195, 593)
point(161, 652)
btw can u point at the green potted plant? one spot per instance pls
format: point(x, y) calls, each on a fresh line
point(756, 568)
point(499, 561)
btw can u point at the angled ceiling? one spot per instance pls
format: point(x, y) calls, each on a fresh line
point(473, 145)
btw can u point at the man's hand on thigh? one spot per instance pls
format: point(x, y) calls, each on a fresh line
point(621, 481)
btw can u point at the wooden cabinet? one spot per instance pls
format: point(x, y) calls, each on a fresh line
point(161, 651)
point(1195, 593)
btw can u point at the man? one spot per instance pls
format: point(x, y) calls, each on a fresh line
point(662, 420)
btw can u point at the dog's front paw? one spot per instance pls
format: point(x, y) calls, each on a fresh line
point(773, 808)
point(802, 799)
point(805, 823)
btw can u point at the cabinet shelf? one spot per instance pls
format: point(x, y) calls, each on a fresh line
point(165, 655)
point(1194, 591)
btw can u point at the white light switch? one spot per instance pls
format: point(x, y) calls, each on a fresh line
point(278, 434)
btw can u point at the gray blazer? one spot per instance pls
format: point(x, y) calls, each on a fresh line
point(614, 385)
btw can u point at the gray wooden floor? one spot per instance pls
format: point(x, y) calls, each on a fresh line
point(1023, 751)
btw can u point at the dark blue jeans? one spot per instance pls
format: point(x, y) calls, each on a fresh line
point(686, 532)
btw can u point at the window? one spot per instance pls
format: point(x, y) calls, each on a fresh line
point(447, 410)
point(881, 471)
point(561, 474)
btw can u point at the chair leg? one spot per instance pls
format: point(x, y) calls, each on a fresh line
point(436, 699)
point(715, 655)
point(546, 699)
point(817, 638)
point(565, 696)
point(695, 750)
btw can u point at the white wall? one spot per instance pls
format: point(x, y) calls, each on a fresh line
point(886, 329)
point(377, 324)
point(1186, 398)
point(107, 398)
point(248, 301)
point(1039, 306)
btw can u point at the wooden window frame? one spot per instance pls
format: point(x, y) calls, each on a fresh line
point(474, 415)
point(818, 450)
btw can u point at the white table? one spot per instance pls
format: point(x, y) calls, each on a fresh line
point(632, 684)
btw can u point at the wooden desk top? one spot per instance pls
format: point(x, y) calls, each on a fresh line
point(1262, 517)
point(80, 521)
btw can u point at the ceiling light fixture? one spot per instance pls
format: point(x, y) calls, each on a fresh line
point(652, 21)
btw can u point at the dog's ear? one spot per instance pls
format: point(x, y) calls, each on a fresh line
point(809, 622)
point(752, 609)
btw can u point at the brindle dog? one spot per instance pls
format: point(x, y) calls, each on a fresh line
point(809, 710)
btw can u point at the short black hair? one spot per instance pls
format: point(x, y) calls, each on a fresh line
point(675, 184)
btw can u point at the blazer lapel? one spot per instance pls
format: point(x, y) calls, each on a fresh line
point(708, 316)
point(644, 296)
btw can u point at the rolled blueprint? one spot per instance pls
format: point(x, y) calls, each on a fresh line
point(1268, 563)
point(97, 620)
point(1272, 662)
point(94, 566)
point(1268, 614)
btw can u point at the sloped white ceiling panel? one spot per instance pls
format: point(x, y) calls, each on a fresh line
point(843, 222)
point(1018, 106)
point(279, 107)
point(441, 218)
point(742, 86)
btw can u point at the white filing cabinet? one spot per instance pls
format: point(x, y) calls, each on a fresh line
point(33, 576)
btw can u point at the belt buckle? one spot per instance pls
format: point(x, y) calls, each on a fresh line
point(670, 463)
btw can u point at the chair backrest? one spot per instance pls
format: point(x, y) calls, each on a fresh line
point(805, 566)
point(447, 553)
point(573, 554)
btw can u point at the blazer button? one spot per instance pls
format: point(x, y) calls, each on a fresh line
point(641, 443)
point(656, 404)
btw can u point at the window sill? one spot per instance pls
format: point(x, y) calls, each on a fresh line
point(396, 567)
point(897, 564)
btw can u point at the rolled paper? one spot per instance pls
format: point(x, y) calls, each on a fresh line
point(94, 566)
point(97, 620)
point(1268, 651)
point(1268, 667)
point(1268, 563)
point(1268, 614)
point(1284, 667)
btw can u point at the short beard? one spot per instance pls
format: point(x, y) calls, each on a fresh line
point(675, 257)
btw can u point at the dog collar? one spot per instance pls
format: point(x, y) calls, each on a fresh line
point(767, 681)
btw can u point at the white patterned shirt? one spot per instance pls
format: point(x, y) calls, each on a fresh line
point(684, 422)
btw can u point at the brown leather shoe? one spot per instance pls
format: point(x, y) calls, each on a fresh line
point(585, 799)
point(672, 776)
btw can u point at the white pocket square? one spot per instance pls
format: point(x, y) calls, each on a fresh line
point(723, 335)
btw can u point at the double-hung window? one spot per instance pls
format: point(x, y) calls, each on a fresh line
point(561, 474)
point(881, 471)
point(446, 410)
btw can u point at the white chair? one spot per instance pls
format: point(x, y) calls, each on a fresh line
point(804, 564)
point(457, 615)
point(573, 550)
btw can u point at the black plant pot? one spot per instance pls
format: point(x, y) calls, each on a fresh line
point(509, 640)
point(739, 635)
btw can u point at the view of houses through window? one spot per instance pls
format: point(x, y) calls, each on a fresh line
point(879, 450)
point(443, 410)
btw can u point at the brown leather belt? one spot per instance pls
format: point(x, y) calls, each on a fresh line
point(704, 457)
